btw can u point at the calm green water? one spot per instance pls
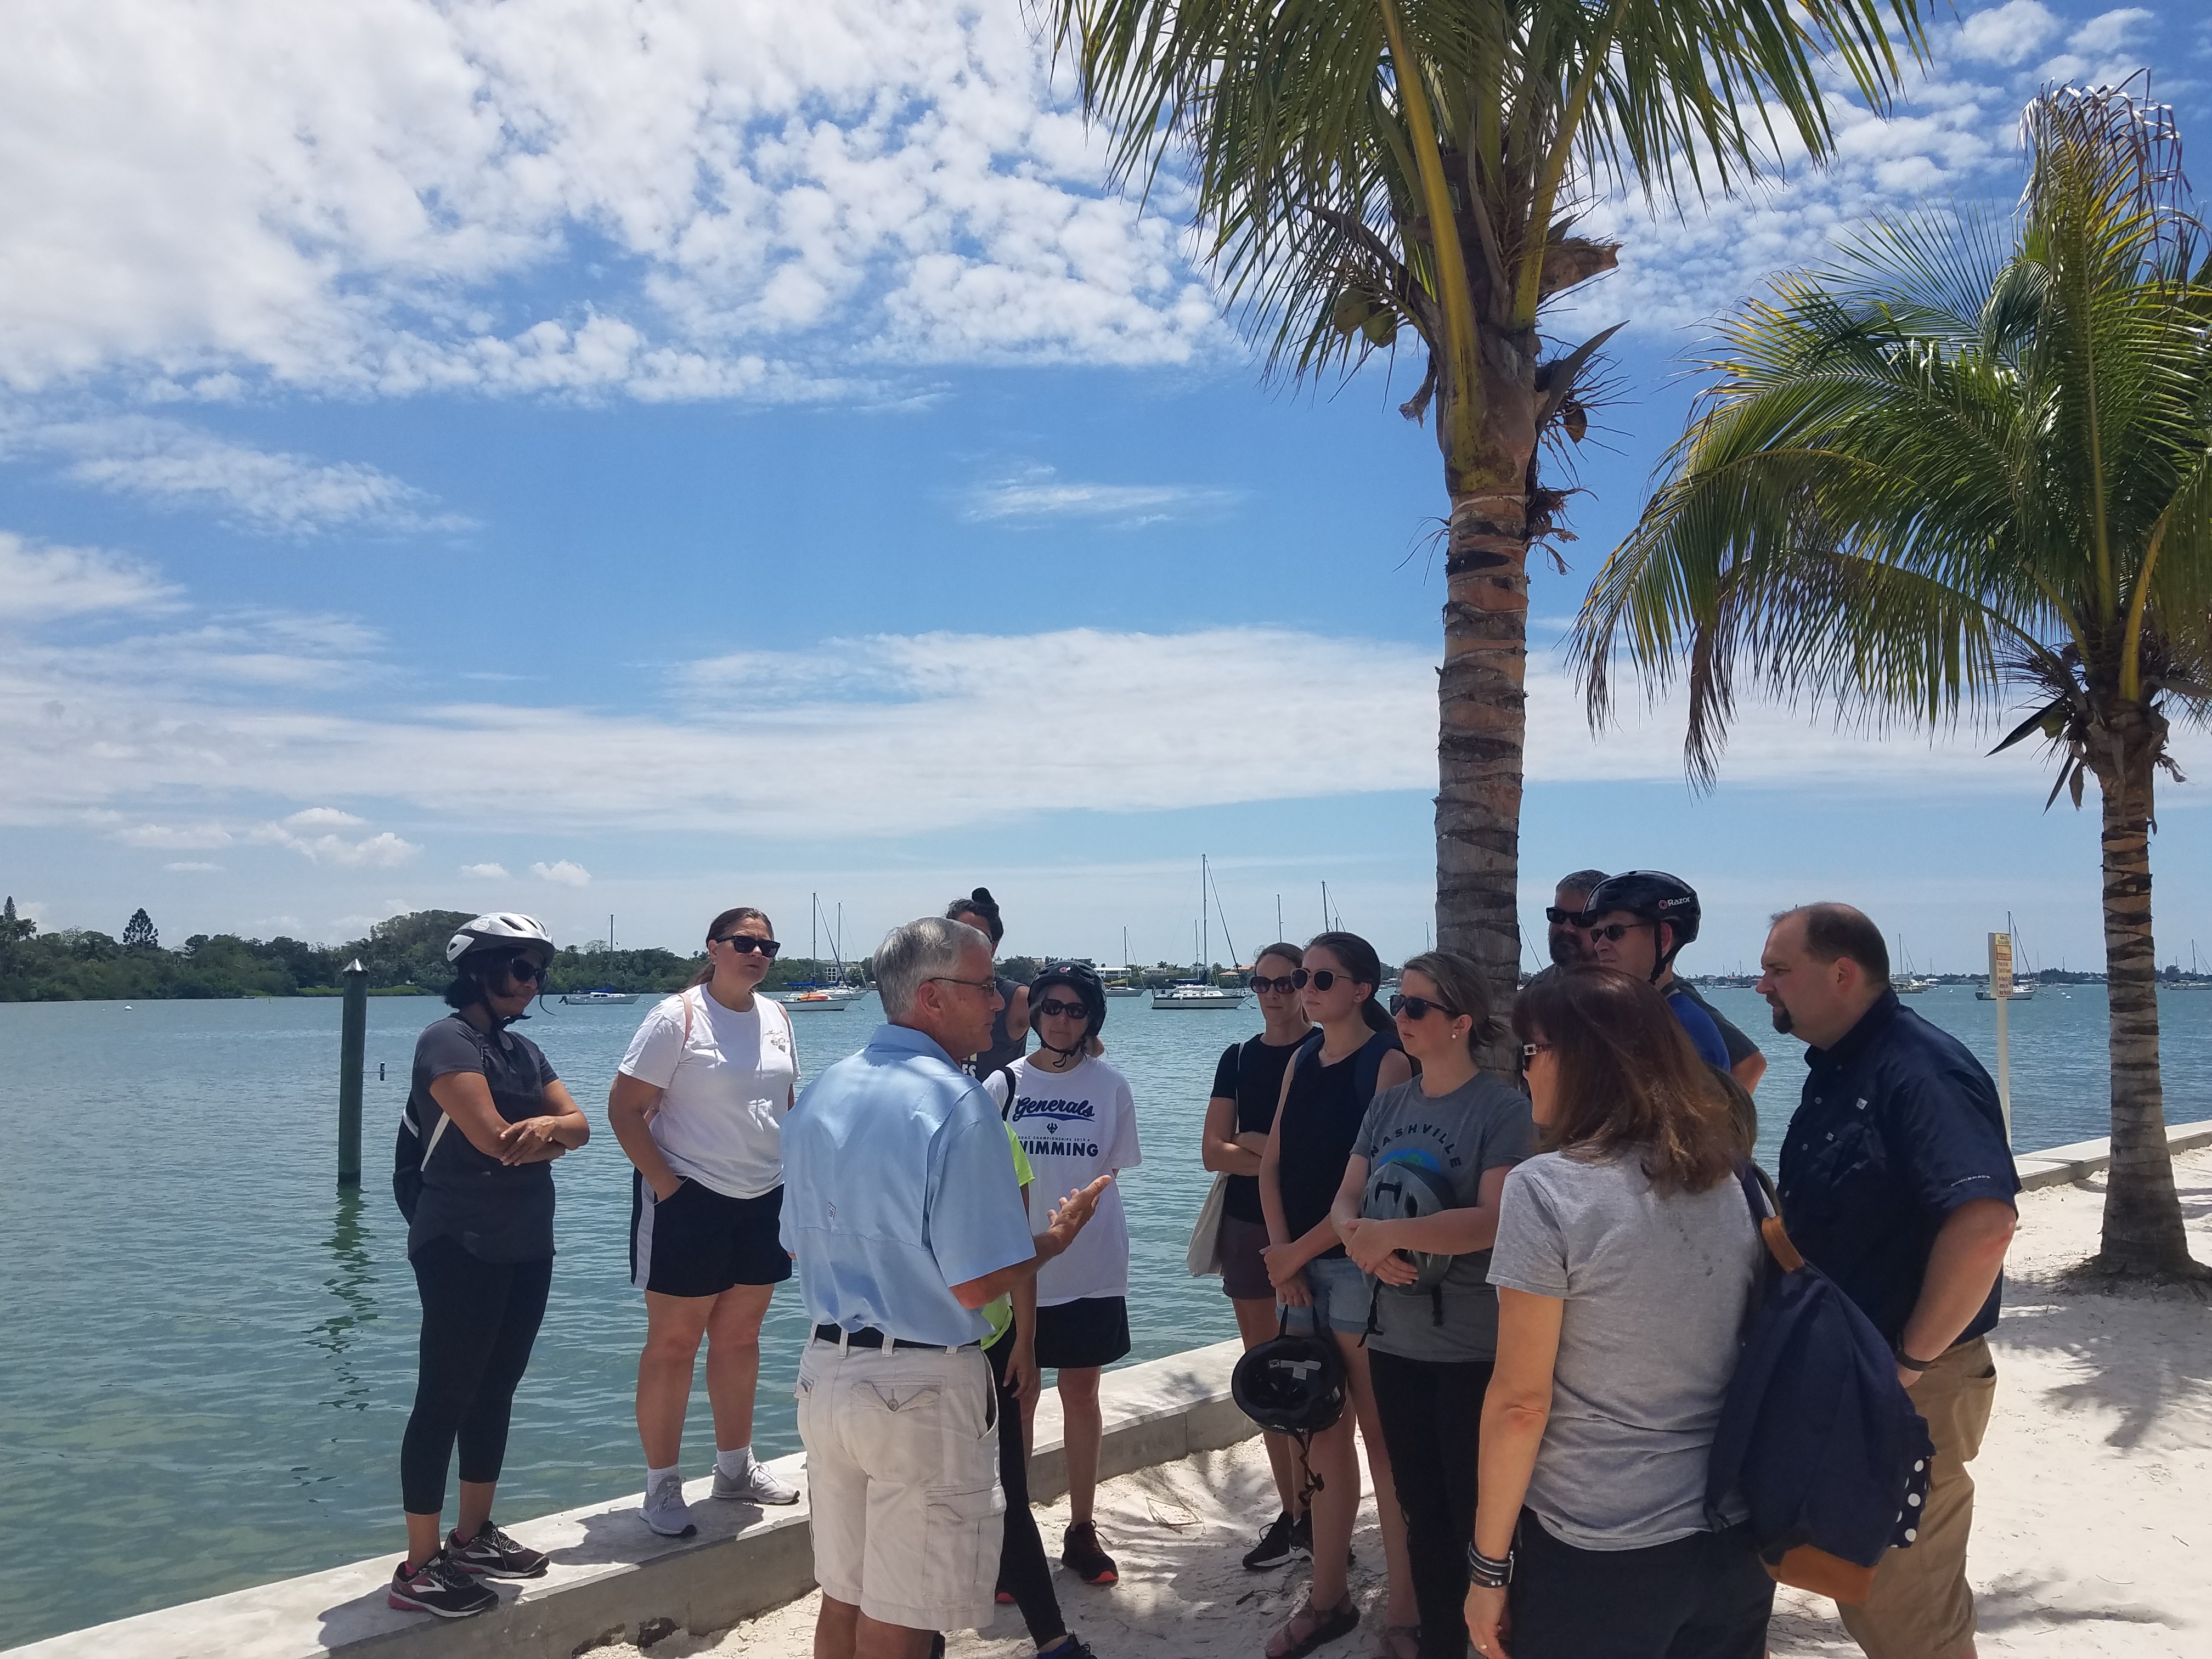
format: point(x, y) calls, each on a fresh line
point(208, 1354)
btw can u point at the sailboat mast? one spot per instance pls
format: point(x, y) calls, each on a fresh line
point(1205, 910)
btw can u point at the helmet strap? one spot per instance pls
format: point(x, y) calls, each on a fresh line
point(1081, 1043)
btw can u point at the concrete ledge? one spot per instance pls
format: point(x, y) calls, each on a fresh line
point(612, 1580)
point(2061, 1166)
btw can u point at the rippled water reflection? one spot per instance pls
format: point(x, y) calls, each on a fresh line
point(208, 1353)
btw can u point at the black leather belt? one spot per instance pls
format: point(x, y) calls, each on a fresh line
point(869, 1337)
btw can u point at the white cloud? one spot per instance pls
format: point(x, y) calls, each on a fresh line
point(679, 198)
point(2111, 29)
point(562, 873)
point(174, 464)
point(2005, 35)
point(321, 818)
point(191, 865)
point(40, 584)
point(177, 835)
point(379, 852)
point(485, 872)
point(1039, 493)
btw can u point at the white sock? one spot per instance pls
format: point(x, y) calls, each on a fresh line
point(653, 1476)
point(731, 1465)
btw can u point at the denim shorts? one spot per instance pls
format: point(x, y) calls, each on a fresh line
point(1341, 1296)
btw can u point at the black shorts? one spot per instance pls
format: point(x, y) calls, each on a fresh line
point(698, 1243)
point(1094, 1331)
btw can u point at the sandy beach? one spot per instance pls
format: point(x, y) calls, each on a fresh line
point(2090, 1532)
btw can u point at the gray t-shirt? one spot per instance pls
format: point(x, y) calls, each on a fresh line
point(1657, 1290)
point(1481, 1126)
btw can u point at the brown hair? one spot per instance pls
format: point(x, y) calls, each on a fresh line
point(980, 903)
point(1366, 968)
point(721, 925)
point(1838, 930)
point(1463, 986)
point(1628, 1079)
point(1293, 954)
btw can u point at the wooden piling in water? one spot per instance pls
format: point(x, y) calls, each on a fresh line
point(352, 1045)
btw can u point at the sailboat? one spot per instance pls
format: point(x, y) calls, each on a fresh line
point(605, 996)
point(813, 995)
point(1121, 988)
point(1908, 983)
point(1202, 993)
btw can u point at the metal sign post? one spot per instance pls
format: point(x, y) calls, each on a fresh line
point(353, 1036)
point(2001, 993)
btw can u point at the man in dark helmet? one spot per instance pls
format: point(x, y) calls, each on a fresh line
point(1638, 923)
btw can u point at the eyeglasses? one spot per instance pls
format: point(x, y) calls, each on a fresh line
point(1530, 1050)
point(1614, 932)
point(1054, 1008)
point(1559, 918)
point(1420, 1008)
point(972, 984)
point(746, 944)
point(523, 970)
point(1322, 979)
point(1282, 986)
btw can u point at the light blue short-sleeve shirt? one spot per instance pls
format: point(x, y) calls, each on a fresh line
point(898, 1185)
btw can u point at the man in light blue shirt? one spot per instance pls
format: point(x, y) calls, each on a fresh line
point(900, 1207)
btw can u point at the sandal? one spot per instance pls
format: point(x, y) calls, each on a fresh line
point(1310, 1628)
point(1400, 1641)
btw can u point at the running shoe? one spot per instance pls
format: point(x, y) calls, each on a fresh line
point(1071, 1646)
point(1301, 1535)
point(1276, 1546)
point(492, 1555)
point(439, 1587)
point(758, 1485)
point(1080, 1554)
point(664, 1509)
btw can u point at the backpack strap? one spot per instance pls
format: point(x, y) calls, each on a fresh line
point(1006, 1106)
point(1369, 1070)
point(1758, 1196)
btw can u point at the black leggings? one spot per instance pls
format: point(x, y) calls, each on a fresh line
point(1432, 1412)
point(1023, 1568)
point(479, 1319)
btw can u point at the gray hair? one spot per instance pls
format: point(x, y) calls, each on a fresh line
point(917, 952)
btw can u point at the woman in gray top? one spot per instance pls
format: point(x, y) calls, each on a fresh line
point(1624, 1263)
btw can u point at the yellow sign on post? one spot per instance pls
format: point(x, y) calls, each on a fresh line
point(2001, 995)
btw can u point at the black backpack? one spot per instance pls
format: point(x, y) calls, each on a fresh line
point(1816, 1433)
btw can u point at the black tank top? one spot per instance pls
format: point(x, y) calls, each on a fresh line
point(1007, 1047)
point(1251, 1074)
point(1320, 1121)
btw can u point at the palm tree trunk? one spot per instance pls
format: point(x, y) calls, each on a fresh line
point(1482, 731)
point(2143, 1234)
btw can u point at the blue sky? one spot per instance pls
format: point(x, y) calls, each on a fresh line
point(596, 457)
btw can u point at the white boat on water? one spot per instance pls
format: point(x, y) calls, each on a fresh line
point(1198, 996)
point(593, 998)
point(821, 997)
point(2022, 991)
point(1125, 990)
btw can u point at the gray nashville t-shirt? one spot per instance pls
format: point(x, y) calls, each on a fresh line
point(1656, 1290)
point(1481, 1125)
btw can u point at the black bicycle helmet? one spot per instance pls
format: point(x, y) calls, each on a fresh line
point(1654, 895)
point(1079, 977)
point(1291, 1385)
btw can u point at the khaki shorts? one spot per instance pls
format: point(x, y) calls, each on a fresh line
point(1922, 1607)
point(903, 1475)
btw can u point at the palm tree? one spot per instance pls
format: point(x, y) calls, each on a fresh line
point(1328, 141)
point(1955, 465)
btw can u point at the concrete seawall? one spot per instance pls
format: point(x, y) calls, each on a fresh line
point(612, 1580)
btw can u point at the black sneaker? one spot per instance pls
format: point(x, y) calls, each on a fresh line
point(1301, 1539)
point(1071, 1646)
point(1080, 1554)
point(1275, 1546)
point(492, 1555)
point(439, 1587)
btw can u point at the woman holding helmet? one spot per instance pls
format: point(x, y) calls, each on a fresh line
point(488, 1116)
point(1074, 1118)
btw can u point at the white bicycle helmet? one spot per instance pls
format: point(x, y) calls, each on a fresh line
point(509, 930)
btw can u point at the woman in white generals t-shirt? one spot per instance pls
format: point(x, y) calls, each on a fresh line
point(698, 1104)
point(1075, 1119)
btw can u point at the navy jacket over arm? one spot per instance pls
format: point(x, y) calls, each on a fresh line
point(1899, 1124)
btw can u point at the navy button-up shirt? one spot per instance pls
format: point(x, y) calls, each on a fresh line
point(1897, 1127)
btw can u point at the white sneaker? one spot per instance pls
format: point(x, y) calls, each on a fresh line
point(758, 1485)
point(664, 1509)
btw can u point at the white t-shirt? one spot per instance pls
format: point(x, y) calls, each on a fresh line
point(1076, 1126)
point(724, 1094)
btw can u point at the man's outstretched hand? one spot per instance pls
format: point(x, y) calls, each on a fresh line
point(1069, 1216)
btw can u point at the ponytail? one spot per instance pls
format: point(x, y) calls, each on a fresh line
point(1366, 968)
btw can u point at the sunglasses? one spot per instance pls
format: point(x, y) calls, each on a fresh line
point(1615, 931)
point(523, 970)
point(1420, 1008)
point(1559, 918)
point(1283, 987)
point(746, 944)
point(1322, 979)
point(1052, 1008)
point(1530, 1050)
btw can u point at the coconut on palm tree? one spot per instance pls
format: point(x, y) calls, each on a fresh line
point(1964, 463)
point(1373, 171)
